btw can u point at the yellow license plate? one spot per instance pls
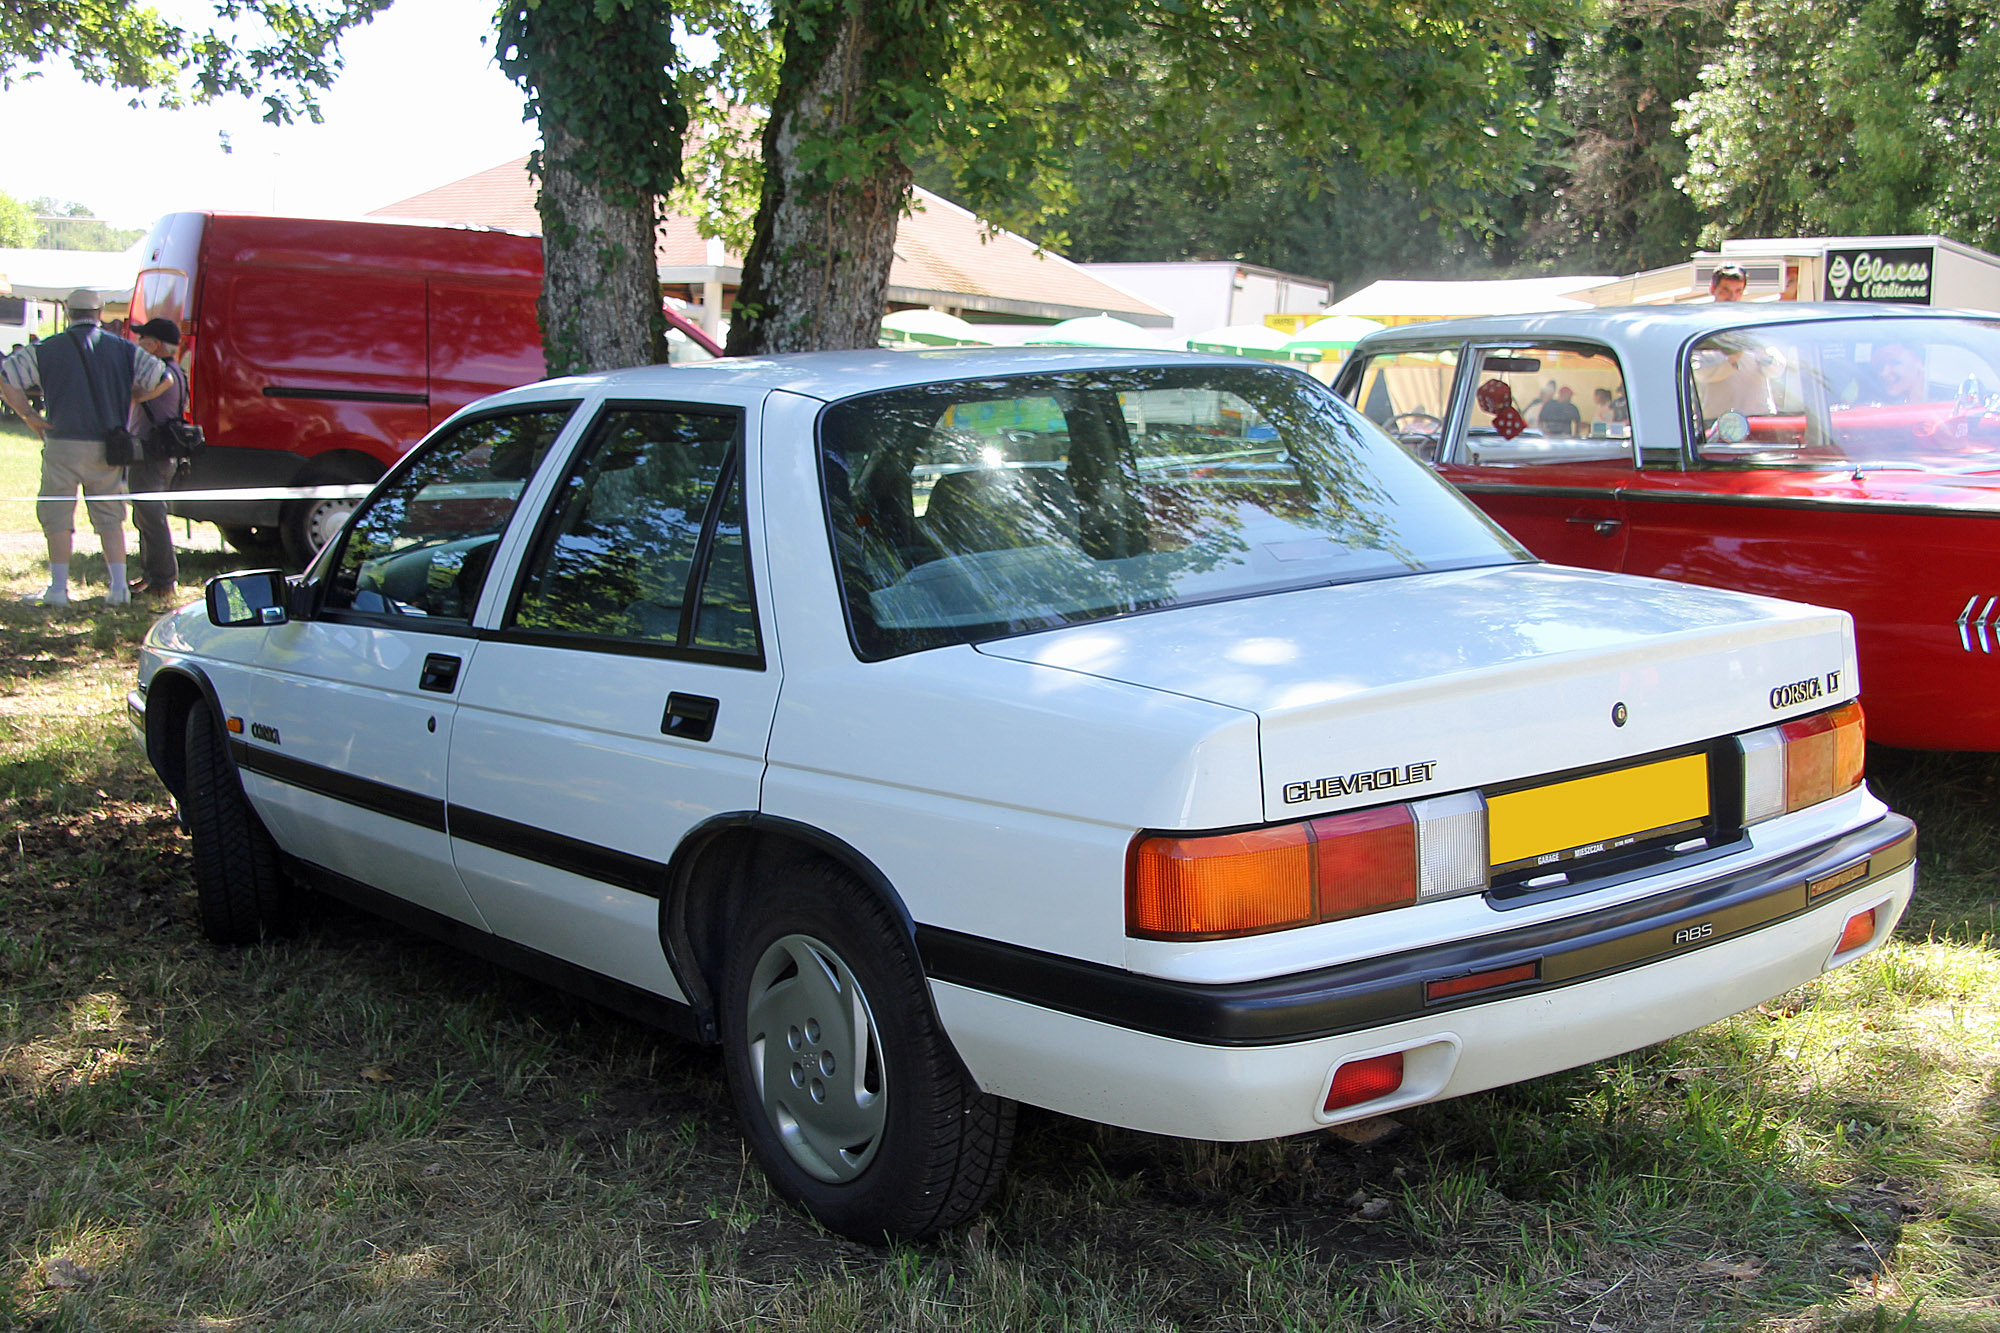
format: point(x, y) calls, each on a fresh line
point(1587, 816)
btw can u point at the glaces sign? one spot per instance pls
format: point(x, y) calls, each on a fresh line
point(1880, 275)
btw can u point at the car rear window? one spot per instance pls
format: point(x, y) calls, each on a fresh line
point(982, 508)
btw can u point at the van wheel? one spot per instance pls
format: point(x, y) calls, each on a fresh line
point(251, 540)
point(849, 1092)
point(241, 889)
point(306, 525)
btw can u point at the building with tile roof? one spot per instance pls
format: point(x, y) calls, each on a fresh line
point(945, 258)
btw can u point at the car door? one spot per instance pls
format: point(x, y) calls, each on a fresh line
point(351, 710)
point(625, 695)
point(1552, 474)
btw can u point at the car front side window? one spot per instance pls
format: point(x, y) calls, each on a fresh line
point(1538, 406)
point(645, 543)
point(422, 545)
point(1407, 394)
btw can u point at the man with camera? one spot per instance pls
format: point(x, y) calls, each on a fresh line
point(88, 378)
point(153, 471)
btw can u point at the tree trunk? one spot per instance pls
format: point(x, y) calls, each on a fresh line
point(817, 274)
point(600, 78)
point(600, 288)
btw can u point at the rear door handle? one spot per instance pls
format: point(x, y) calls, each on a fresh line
point(689, 716)
point(1603, 527)
point(440, 674)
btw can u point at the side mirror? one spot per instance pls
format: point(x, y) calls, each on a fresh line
point(248, 597)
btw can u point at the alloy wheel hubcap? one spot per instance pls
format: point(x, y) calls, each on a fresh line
point(817, 1058)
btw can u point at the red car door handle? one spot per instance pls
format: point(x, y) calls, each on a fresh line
point(1603, 527)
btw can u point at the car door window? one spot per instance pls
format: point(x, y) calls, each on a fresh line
point(1407, 394)
point(645, 544)
point(422, 545)
point(1537, 406)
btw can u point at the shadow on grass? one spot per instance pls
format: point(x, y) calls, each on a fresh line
point(1955, 800)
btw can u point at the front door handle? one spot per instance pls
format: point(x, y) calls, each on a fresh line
point(689, 716)
point(440, 674)
point(1603, 527)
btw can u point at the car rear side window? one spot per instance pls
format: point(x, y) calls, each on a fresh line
point(422, 545)
point(645, 542)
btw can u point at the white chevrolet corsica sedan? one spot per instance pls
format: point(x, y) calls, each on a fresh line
point(1145, 737)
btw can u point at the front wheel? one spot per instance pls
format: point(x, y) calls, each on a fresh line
point(849, 1092)
point(241, 890)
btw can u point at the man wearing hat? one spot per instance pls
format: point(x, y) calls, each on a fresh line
point(87, 378)
point(159, 569)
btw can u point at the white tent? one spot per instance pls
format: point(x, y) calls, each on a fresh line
point(51, 275)
point(1397, 298)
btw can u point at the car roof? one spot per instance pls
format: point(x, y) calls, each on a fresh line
point(834, 375)
point(1650, 328)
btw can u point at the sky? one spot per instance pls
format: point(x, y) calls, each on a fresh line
point(420, 103)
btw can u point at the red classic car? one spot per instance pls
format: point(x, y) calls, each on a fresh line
point(1845, 454)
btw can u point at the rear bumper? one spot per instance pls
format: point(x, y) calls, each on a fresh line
point(1254, 1060)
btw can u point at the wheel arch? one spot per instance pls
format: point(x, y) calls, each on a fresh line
point(171, 695)
point(715, 866)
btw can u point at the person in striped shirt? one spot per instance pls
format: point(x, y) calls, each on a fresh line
point(87, 377)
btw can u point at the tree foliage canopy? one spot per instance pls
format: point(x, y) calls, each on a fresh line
point(280, 52)
point(17, 223)
point(1857, 117)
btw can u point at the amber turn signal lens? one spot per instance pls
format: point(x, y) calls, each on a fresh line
point(1225, 884)
point(1823, 755)
point(1860, 930)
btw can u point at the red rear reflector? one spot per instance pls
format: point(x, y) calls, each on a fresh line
point(1478, 981)
point(1860, 930)
point(1360, 1081)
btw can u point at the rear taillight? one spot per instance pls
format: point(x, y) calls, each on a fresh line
point(1218, 886)
point(1802, 763)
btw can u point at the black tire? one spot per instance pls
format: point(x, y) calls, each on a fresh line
point(240, 886)
point(252, 541)
point(871, 1124)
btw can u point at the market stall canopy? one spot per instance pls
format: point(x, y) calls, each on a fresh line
point(1335, 333)
point(51, 275)
point(930, 328)
point(1094, 331)
point(1258, 340)
point(1396, 300)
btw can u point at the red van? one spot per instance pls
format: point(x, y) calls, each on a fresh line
point(320, 350)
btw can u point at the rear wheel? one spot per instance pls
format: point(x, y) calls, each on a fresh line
point(306, 525)
point(250, 540)
point(241, 889)
point(850, 1093)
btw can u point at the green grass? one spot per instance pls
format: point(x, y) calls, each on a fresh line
point(357, 1129)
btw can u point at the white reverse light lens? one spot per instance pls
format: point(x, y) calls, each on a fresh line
point(1451, 845)
point(1763, 774)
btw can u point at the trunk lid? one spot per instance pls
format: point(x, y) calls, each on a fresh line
point(1418, 686)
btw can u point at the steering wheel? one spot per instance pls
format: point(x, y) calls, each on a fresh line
point(1419, 432)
